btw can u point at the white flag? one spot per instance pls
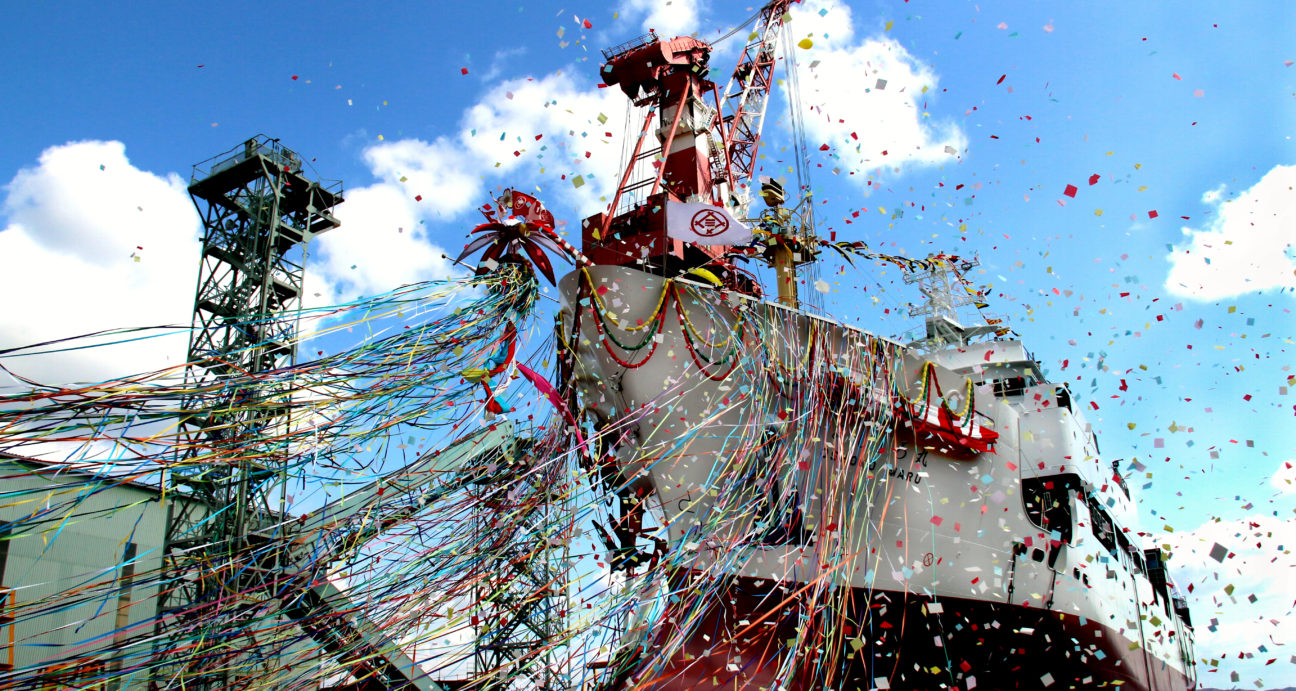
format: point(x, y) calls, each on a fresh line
point(704, 224)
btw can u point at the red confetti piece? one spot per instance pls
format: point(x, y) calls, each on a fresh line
point(1152, 214)
point(587, 24)
point(463, 70)
point(1070, 191)
point(1093, 179)
point(1001, 79)
point(418, 197)
point(294, 77)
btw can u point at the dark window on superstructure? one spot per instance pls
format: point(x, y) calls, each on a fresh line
point(1156, 571)
point(1010, 386)
point(1181, 609)
point(1103, 528)
point(1063, 396)
point(1048, 503)
point(1126, 549)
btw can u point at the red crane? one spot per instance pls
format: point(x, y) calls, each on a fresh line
point(705, 144)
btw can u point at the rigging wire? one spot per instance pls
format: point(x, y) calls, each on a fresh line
point(746, 23)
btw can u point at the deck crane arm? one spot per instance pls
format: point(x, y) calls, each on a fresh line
point(743, 105)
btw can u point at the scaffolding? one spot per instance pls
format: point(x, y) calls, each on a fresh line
point(259, 212)
point(522, 598)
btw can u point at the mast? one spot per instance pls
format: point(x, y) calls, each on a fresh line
point(940, 279)
point(789, 244)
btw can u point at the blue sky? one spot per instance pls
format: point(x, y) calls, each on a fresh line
point(1184, 110)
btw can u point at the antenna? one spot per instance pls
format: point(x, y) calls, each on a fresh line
point(940, 280)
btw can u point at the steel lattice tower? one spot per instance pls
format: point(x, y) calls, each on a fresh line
point(522, 599)
point(259, 212)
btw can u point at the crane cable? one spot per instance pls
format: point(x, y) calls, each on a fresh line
point(746, 22)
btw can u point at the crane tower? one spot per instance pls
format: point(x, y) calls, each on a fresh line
point(259, 211)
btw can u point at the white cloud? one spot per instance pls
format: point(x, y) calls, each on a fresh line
point(1247, 247)
point(383, 242)
point(1247, 598)
point(395, 231)
point(574, 141)
point(669, 18)
point(94, 243)
point(499, 59)
point(380, 245)
point(419, 169)
point(1284, 479)
point(866, 97)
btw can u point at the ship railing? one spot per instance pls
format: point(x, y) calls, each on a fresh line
point(260, 145)
point(632, 44)
point(784, 308)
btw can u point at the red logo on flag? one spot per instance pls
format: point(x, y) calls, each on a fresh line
point(709, 223)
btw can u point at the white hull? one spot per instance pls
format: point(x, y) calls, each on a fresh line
point(704, 438)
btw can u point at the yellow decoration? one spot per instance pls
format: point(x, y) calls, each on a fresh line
point(706, 276)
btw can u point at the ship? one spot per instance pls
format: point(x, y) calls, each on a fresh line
point(804, 504)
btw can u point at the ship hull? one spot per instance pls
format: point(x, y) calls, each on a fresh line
point(764, 472)
point(899, 640)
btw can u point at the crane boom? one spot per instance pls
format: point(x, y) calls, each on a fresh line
point(745, 100)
